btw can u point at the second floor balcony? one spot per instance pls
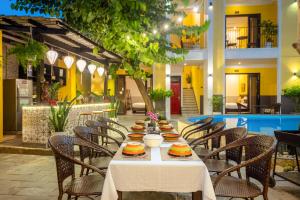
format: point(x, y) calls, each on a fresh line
point(253, 37)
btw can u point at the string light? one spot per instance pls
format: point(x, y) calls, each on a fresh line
point(154, 31)
point(166, 26)
point(196, 9)
point(144, 34)
point(179, 19)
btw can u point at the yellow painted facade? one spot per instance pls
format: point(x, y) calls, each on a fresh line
point(219, 48)
point(290, 58)
point(268, 84)
point(196, 73)
point(268, 11)
point(159, 72)
point(1, 88)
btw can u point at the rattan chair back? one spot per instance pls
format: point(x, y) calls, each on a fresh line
point(198, 126)
point(254, 147)
point(215, 128)
point(234, 135)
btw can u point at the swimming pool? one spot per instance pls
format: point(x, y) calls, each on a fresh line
point(264, 124)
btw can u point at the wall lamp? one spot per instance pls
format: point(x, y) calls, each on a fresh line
point(209, 75)
point(295, 74)
point(210, 5)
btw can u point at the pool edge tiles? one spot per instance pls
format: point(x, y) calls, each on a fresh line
point(257, 123)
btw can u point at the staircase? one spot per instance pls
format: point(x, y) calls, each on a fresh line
point(189, 104)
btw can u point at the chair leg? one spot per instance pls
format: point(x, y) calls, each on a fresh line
point(69, 197)
point(60, 197)
point(239, 173)
point(275, 159)
point(297, 159)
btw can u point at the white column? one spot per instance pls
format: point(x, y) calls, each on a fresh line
point(279, 42)
point(209, 63)
point(168, 87)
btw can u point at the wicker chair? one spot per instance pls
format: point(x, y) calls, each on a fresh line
point(210, 129)
point(112, 122)
point(103, 129)
point(258, 155)
point(233, 135)
point(63, 149)
point(99, 160)
point(199, 124)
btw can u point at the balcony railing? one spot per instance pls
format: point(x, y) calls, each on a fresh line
point(189, 42)
point(255, 37)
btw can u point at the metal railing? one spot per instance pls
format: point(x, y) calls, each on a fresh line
point(189, 42)
point(255, 37)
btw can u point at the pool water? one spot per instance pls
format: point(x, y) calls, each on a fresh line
point(264, 124)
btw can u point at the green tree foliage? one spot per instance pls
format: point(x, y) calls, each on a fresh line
point(126, 27)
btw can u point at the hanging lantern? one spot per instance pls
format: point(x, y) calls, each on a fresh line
point(81, 66)
point(92, 68)
point(52, 56)
point(100, 71)
point(68, 60)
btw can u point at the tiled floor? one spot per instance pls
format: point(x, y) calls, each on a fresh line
point(32, 177)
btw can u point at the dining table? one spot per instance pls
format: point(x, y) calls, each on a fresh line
point(157, 172)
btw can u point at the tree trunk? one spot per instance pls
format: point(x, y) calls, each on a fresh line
point(146, 97)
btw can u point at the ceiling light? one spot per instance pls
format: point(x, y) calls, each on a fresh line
point(196, 8)
point(92, 68)
point(179, 19)
point(100, 71)
point(68, 60)
point(166, 26)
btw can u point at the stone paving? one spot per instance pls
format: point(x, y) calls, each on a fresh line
point(33, 177)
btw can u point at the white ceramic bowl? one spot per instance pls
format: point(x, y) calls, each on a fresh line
point(153, 140)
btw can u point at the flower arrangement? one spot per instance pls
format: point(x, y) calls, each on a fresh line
point(152, 116)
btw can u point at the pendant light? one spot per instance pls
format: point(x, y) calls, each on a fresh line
point(92, 68)
point(68, 60)
point(81, 66)
point(100, 71)
point(52, 56)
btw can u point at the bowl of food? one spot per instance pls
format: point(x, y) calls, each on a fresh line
point(133, 149)
point(170, 136)
point(166, 127)
point(136, 136)
point(163, 122)
point(140, 122)
point(153, 140)
point(137, 128)
point(180, 150)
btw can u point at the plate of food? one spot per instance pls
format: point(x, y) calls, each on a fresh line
point(140, 122)
point(134, 149)
point(136, 136)
point(166, 127)
point(170, 136)
point(137, 128)
point(180, 150)
point(163, 122)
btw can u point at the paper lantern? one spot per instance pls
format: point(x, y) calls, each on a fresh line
point(51, 56)
point(81, 65)
point(68, 60)
point(100, 71)
point(92, 68)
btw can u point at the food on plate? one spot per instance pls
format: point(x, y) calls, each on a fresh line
point(170, 136)
point(136, 136)
point(180, 150)
point(133, 149)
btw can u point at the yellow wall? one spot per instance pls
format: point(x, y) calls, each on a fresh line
point(268, 11)
point(159, 73)
point(197, 81)
point(1, 89)
point(290, 57)
point(219, 48)
point(268, 80)
point(111, 87)
point(97, 86)
point(69, 90)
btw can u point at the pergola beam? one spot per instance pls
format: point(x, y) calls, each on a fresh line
point(27, 29)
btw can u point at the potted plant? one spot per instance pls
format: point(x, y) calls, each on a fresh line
point(269, 30)
point(159, 96)
point(217, 104)
point(189, 81)
point(30, 54)
point(293, 92)
point(59, 115)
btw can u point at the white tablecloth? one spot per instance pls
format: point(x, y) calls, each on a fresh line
point(157, 175)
